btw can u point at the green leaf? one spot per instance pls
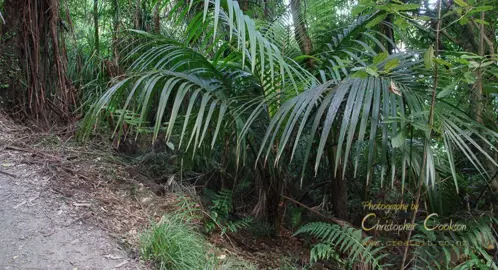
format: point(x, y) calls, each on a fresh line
point(490, 90)
point(487, 63)
point(463, 21)
point(380, 57)
point(481, 8)
point(170, 145)
point(401, 23)
point(428, 57)
point(481, 22)
point(372, 71)
point(470, 77)
point(398, 140)
point(447, 90)
point(376, 20)
point(461, 3)
point(405, 7)
point(465, 56)
point(474, 64)
point(360, 74)
point(424, 18)
point(391, 64)
point(442, 62)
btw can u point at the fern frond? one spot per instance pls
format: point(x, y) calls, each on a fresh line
point(458, 250)
point(347, 239)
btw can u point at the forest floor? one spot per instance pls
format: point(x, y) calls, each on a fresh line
point(44, 219)
point(67, 205)
point(39, 230)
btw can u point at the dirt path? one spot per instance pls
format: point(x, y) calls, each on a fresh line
point(38, 229)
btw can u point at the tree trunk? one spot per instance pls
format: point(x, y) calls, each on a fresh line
point(338, 196)
point(244, 5)
point(96, 25)
point(389, 32)
point(33, 62)
point(115, 30)
point(477, 103)
point(300, 31)
point(157, 18)
point(138, 15)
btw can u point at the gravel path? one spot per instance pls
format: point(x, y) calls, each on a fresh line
point(38, 229)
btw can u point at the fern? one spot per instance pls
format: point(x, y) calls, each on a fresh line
point(467, 249)
point(220, 211)
point(346, 239)
point(236, 225)
point(323, 251)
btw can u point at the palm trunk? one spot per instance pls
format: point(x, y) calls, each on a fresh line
point(338, 195)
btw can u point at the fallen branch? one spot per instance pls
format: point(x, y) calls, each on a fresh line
point(8, 174)
point(337, 221)
point(33, 151)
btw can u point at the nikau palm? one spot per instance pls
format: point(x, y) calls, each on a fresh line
point(217, 81)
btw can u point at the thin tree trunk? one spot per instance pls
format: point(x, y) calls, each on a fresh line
point(477, 107)
point(157, 18)
point(138, 15)
point(389, 32)
point(300, 31)
point(96, 26)
point(115, 30)
point(478, 101)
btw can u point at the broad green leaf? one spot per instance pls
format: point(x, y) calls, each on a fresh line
point(380, 57)
point(398, 140)
point(481, 8)
point(469, 77)
point(481, 22)
point(461, 3)
point(391, 64)
point(464, 20)
point(401, 23)
point(474, 64)
point(379, 18)
point(448, 89)
point(372, 71)
point(428, 57)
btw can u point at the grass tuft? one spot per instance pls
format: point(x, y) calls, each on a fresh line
point(174, 244)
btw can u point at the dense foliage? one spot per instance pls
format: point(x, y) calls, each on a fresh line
point(286, 112)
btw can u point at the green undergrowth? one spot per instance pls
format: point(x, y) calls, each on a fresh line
point(175, 243)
